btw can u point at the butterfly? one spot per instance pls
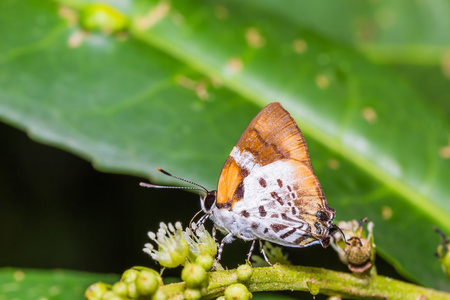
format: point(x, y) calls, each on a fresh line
point(267, 189)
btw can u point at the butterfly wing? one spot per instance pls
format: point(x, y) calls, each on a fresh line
point(269, 183)
point(289, 208)
point(272, 135)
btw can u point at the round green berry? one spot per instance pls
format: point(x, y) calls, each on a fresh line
point(244, 272)
point(205, 260)
point(120, 288)
point(110, 295)
point(237, 291)
point(192, 294)
point(129, 275)
point(147, 283)
point(159, 295)
point(96, 290)
point(194, 276)
point(132, 290)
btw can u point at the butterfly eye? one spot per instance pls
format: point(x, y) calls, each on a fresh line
point(209, 201)
point(323, 215)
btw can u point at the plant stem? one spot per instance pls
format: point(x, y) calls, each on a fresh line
point(299, 278)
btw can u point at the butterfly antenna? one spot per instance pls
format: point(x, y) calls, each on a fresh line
point(149, 185)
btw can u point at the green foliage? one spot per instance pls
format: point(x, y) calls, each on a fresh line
point(51, 285)
point(179, 88)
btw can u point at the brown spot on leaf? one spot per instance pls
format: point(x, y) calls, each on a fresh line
point(300, 46)
point(369, 114)
point(254, 38)
point(234, 65)
point(444, 151)
point(322, 81)
point(333, 164)
point(156, 14)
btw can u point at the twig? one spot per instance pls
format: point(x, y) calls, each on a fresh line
point(299, 278)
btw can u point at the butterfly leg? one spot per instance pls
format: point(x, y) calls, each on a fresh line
point(227, 239)
point(261, 248)
point(214, 235)
point(251, 250)
point(199, 223)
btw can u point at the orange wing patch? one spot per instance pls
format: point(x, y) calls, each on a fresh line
point(233, 185)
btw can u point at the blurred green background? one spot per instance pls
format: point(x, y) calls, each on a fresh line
point(129, 86)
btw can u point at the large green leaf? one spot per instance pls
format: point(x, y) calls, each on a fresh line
point(388, 31)
point(45, 284)
point(179, 89)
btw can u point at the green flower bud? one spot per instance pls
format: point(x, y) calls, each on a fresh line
point(359, 255)
point(205, 260)
point(159, 295)
point(443, 252)
point(357, 248)
point(147, 283)
point(192, 294)
point(129, 275)
point(102, 17)
point(237, 291)
point(359, 251)
point(194, 276)
point(155, 273)
point(120, 288)
point(110, 295)
point(244, 272)
point(132, 290)
point(445, 263)
point(96, 290)
point(313, 287)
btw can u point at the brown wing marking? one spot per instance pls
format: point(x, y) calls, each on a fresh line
point(303, 202)
point(271, 135)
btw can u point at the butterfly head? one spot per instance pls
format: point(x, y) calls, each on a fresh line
point(208, 201)
point(325, 217)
